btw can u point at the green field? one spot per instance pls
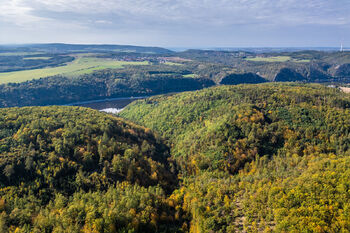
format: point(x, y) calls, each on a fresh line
point(190, 76)
point(169, 63)
point(81, 65)
point(275, 59)
point(36, 58)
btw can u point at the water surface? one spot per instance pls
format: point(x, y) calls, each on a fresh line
point(108, 105)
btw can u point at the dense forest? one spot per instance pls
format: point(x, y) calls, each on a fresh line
point(259, 158)
point(268, 157)
point(70, 169)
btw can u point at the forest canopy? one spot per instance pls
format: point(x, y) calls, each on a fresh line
point(268, 157)
point(60, 163)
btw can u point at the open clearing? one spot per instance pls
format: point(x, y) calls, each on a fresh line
point(81, 65)
point(275, 59)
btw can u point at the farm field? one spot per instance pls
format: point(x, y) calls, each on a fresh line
point(81, 65)
point(190, 76)
point(276, 59)
point(36, 58)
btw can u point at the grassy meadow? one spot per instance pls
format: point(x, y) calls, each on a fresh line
point(190, 76)
point(37, 58)
point(276, 59)
point(81, 65)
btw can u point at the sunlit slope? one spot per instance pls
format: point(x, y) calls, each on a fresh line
point(79, 138)
point(267, 157)
point(224, 127)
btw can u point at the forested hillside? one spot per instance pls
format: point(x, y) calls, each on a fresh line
point(69, 169)
point(268, 157)
point(255, 158)
point(132, 81)
point(307, 66)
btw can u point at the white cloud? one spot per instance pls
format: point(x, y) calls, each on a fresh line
point(16, 12)
point(208, 11)
point(205, 12)
point(172, 17)
point(103, 22)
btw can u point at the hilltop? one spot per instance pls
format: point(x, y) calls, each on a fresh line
point(69, 168)
point(268, 157)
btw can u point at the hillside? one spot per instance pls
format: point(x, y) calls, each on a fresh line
point(268, 157)
point(307, 66)
point(49, 74)
point(69, 168)
point(132, 81)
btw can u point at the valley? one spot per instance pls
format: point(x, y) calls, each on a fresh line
point(152, 140)
point(186, 116)
point(67, 74)
point(245, 152)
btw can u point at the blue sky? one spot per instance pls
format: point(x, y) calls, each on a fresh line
point(178, 23)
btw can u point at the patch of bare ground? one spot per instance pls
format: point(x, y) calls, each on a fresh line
point(345, 89)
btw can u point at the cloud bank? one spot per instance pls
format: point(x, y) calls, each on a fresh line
point(177, 22)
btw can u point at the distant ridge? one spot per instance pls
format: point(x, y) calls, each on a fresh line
point(261, 49)
point(64, 48)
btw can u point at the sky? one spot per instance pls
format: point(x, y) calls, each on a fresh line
point(178, 23)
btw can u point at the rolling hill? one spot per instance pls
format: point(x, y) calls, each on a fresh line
point(64, 169)
point(257, 158)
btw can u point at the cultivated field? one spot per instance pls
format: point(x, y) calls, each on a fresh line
point(275, 59)
point(36, 58)
point(81, 65)
point(190, 76)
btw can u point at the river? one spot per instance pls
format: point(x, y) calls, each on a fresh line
point(113, 105)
